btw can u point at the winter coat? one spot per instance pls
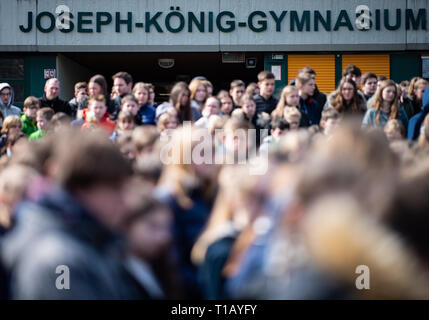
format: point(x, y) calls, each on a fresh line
point(57, 231)
point(416, 121)
point(56, 104)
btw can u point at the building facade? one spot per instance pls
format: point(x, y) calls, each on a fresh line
point(163, 41)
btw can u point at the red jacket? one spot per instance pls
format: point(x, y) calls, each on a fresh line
point(105, 123)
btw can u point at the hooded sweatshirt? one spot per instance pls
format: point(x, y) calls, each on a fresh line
point(416, 121)
point(9, 109)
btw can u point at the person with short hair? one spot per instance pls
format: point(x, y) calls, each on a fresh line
point(28, 118)
point(122, 86)
point(96, 116)
point(278, 127)
point(394, 130)
point(44, 123)
point(353, 72)
point(7, 97)
point(369, 84)
point(211, 107)
point(51, 97)
point(265, 101)
point(307, 105)
point(293, 117)
point(236, 90)
point(80, 98)
point(330, 120)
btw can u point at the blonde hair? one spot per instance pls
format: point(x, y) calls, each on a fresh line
point(11, 122)
point(193, 87)
point(162, 121)
point(292, 113)
point(279, 110)
point(141, 85)
point(394, 125)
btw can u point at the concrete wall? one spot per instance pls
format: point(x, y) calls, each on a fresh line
point(14, 13)
point(69, 72)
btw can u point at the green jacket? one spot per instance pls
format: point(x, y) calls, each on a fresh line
point(37, 135)
point(28, 126)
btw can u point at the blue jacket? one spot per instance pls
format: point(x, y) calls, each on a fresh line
point(146, 115)
point(416, 121)
point(310, 110)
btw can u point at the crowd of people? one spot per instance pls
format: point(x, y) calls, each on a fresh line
point(85, 187)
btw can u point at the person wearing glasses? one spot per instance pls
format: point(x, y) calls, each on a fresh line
point(6, 101)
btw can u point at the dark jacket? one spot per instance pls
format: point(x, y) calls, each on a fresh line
point(57, 231)
point(263, 105)
point(56, 104)
point(75, 106)
point(310, 109)
point(146, 115)
point(415, 122)
point(188, 224)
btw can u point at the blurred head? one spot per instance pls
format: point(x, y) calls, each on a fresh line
point(80, 91)
point(167, 122)
point(148, 226)
point(330, 120)
point(94, 171)
point(52, 88)
point(293, 117)
point(278, 127)
point(198, 91)
point(211, 107)
point(209, 87)
point(126, 146)
point(394, 130)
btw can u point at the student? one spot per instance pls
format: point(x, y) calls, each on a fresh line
point(386, 107)
point(80, 98)
point(130, 104)
point(416, 90)
point(265, 102)
point(126, 146)
point(293, 117)
point(227, 104)
point(236, 142)
point(236, 90)
point(180, 100)
point(7, 97)
point(146, 113)
point(149, 238)
point(44, 123)
point(151, 99)
point(369, 85)
point(394, 130)
point(308, 107)
point(252, 89)
point(346, 99)
point(320, 97)
point(98, 85)
point(209, 87)
point(144, 140)
point(125, 123)
point(28, 118)
point(198, 93)
point(289, 98)
point(330, 120)
point(61, 120)
point(12, 126)
point(51, 97)
point(416, 121)
point(96, 116)
point(189, 189)
point(166, 124)
point(404, 101)
point(353, 72)
point(78, 220)
point(278, 128)
point(211, 107)
point(122, 86)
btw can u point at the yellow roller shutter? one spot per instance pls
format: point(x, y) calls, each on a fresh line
point(377, 63)
point(323, 64)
